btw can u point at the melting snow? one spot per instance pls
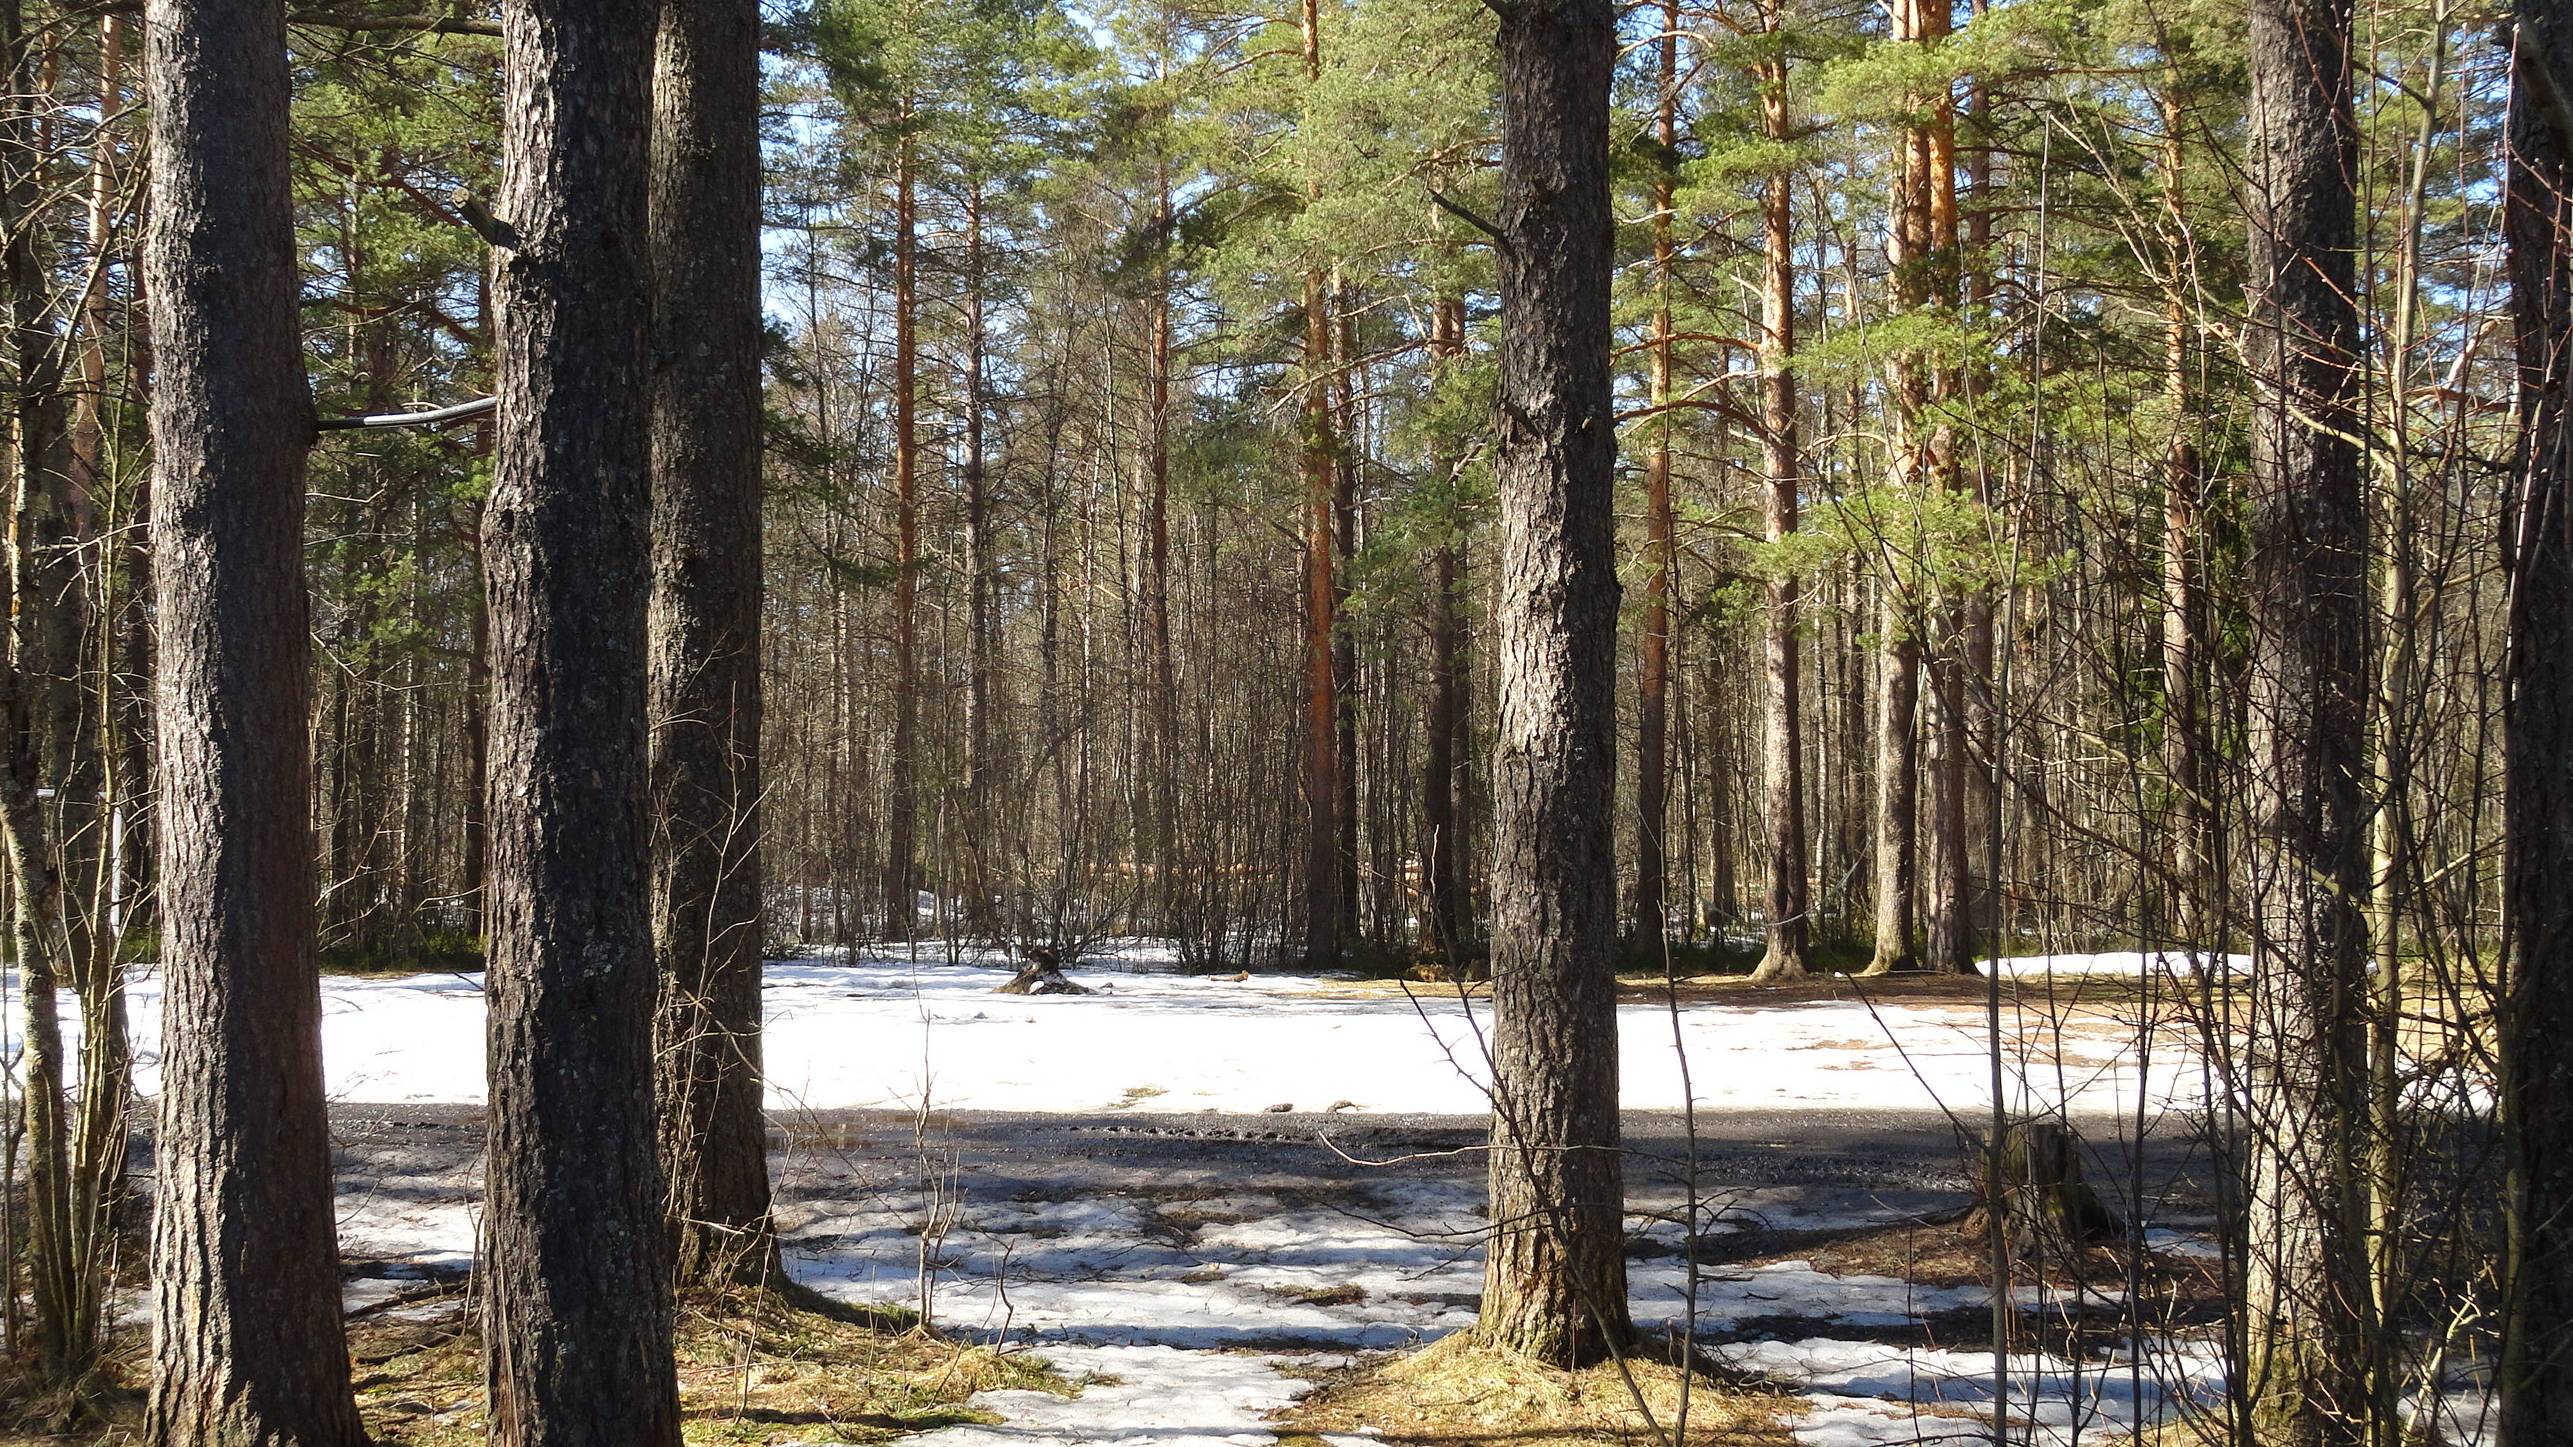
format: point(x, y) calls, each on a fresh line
point(880, 1033)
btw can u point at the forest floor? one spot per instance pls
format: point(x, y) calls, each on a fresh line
point(1221, 1206)
point(1201, 1276)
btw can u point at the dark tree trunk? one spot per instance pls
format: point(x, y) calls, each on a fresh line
point(1164, 678)
point(2537, 1071)
point(476, 867)
point(1322, 937)
point(1442, 813)
point(705, 670)
point(1344, 638)
point(1949, 886)
point(2308, 729)
point(1782, 770)
point(40, 725)
point(1554, 1284)
point(577, 1322)
point(1322, 761)
point(477, 709)
point(982, 585)
point(1653, 648)
point(902, 785)
point(247, 1343)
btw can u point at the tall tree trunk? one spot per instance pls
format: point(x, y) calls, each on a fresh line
point(1443, 816)
point(1949, 926)
point(2308, 714)
point(705, 638)
point(1782, 771)
point(1344, 638)
point(1980, 609)
point(88, 432)
point(1322, 761)
point(1653, 649)
point(1898, 783)
point(248, 1345)
point(1554, 1284)
point(982, 586)
point(1164, 680)
point(902, 787)
point(2184, 750)
point(477, 707)
point(1901, 611)
point(577, 1318)
point(2536, 1070)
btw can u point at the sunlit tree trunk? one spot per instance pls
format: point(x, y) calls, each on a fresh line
point(2183, 479)
point(1782, 767)
point(1901, 610)
point(247, 1339)
point(2306, 1042)
point(1949, 886)
point(705, 639)
point(1554, 1284)
point(576, 1274)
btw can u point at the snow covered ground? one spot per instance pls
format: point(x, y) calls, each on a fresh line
point(884, 1033)
point(1203, 1306)
point(1179, 1294)
point(1203, 1301)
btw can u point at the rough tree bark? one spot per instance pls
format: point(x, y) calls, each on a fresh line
point(577, 1316)
point(2537, 1072)
point(247, 1341)
point(2309, 605)
point(1554, 1285)
point(1782, 773)
point(705, 665)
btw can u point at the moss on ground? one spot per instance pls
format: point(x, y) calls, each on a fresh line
point(1461, 1391)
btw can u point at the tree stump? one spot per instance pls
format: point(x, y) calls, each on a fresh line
point(2045, 1203)
point(1041, 975)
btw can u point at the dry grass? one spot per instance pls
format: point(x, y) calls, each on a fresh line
point(754, 1369)
point(1463, 1393)
point(1946, 1253)
point(106, 1407)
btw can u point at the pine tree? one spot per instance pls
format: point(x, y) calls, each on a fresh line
point(705, 628)
point(2537, 1333)
point(577, 1310)
point(248, 1345)
point(2308, 600)
point(1554, 1285)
